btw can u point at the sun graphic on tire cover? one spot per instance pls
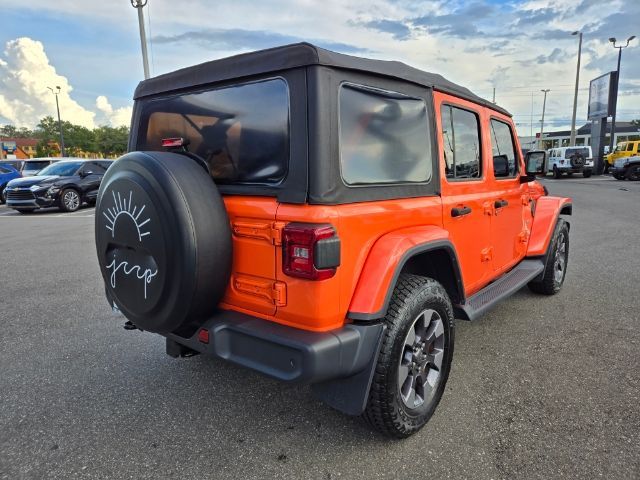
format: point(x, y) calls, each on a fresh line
point(126, 208)
point(122, 207)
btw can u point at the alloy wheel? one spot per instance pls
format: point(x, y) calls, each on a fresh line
point(71, 200)
point(421, 359)
point(560, 260)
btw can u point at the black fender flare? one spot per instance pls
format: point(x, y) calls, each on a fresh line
point(455, 288)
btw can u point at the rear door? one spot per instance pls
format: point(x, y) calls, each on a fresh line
point(509, 198)
point(466, 189)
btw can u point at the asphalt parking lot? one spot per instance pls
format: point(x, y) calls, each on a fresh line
point(541, 387)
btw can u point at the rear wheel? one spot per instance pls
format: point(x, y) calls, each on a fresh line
point(415, 358)
point(633, 173)
point(556, 263)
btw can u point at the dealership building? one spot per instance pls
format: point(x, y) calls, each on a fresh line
point(624, 131)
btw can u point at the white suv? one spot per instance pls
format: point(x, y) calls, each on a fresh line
point(570, 160)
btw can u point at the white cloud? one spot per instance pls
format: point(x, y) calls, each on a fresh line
point(25, 78)
point(118, 117)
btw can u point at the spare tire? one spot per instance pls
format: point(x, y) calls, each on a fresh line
point(163, 241)
point(577, 160)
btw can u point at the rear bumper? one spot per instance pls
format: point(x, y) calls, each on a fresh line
point(282, 352)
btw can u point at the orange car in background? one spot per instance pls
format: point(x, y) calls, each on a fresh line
point(323, 219)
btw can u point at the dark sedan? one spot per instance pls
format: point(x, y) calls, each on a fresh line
point(66, 184)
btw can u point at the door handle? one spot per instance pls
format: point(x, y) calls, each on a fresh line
point(460, 211)
point(500, 203)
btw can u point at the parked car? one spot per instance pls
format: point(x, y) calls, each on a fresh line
point(570, 160)
point(32, 166)
point(626, 168)
point(322, 218)
point(7, 173)
point(622, 150)
point(66, 184)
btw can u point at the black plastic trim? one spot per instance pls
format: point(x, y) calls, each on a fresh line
point(326, 253)
point(286, 353)
point(445, 245)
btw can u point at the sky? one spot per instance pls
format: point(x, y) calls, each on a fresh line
point(91, 49)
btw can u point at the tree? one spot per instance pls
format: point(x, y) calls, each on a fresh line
point(12, 131)
point(110, 140)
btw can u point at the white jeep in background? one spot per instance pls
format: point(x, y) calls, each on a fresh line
point(570, 160)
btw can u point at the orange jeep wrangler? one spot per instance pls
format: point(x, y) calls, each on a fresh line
point(323, 219)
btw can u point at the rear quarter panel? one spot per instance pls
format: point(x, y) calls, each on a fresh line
point(322, 306)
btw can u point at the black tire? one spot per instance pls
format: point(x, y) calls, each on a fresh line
point(160, 216)
point(633, 173)
point(70, 200)
point(618, 176)
point(587, 173)
point(387, 410)
point(556, 173)
point(552, 281)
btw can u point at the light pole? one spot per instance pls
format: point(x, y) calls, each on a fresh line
point(56, 92)
point(544, 105)
point(139, 5)
point(615, 102)
point(572, 140)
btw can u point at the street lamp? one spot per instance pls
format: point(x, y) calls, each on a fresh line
point(572, 140)
point(615, 102)
point(56, 92)
point(544, 105)
point(139, 5)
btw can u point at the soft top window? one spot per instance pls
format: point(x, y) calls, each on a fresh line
point(584, 152)
point(240, 131)
point(384, 137)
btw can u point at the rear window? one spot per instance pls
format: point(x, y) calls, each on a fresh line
point(241, 131)
point(583, 152)
point(384, 137)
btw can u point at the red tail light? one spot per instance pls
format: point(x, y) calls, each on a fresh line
point(173, 142)
point(310, 251)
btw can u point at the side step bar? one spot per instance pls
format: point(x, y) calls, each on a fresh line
point(512, 281)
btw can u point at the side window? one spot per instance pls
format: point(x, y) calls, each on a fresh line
point(461, 141)
point(4, 170)
point(384, 137)
point(630, 147)
point(105, 165)
point(96, 167)
point(505, 163)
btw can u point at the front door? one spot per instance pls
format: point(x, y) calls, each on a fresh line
point(510, 197)
point(466, 194)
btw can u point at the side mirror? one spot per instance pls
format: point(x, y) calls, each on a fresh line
point(536, 162)
point(86, 173)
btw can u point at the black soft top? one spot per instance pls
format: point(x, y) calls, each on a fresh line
point(293, 56)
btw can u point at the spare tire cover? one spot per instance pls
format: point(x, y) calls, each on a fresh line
point(163, 241)
point(577, 160)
